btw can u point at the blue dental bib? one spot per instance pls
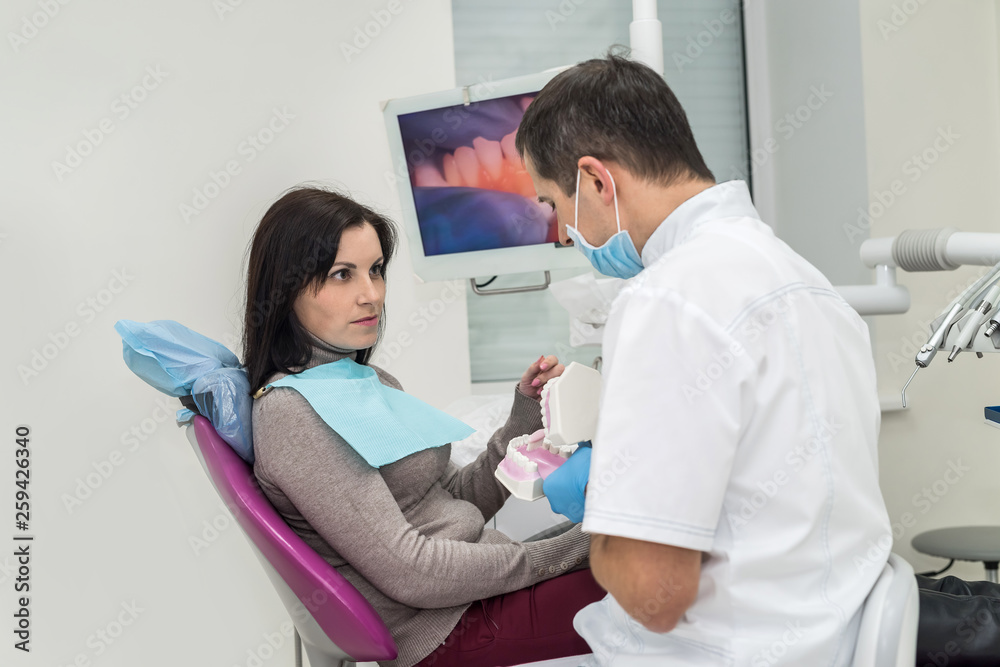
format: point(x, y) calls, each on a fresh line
point(380, 423)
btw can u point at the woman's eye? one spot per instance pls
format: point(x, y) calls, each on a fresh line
point(342, 274)
point(377, 270)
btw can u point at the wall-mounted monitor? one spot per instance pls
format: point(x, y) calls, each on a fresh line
point(469, 207)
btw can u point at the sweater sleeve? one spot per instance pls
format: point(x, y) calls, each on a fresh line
point(476, 482)
point(348, 503)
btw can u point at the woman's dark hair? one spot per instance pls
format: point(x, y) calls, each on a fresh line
point(613, 109)
point(292, 249)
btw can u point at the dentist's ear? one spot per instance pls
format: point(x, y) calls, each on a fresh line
point(595, 174)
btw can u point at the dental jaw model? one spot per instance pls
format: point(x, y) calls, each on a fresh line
point(569, 416)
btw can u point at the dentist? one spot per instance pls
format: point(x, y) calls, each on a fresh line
point(733, 495)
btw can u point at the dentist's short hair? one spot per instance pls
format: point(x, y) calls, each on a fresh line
point(612, 109)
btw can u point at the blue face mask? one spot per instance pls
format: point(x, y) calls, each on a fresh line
point(617, 257)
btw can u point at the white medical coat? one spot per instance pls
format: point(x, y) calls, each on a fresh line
point(739, 417)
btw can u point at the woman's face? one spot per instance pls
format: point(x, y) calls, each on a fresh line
point(345, 310)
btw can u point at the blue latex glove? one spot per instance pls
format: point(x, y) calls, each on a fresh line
point(565, 486)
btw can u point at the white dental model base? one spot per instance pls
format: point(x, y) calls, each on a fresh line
point(569, 415)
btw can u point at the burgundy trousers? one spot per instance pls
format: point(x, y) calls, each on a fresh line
point(527, 625)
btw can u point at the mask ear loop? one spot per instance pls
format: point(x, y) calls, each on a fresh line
point(576, 202)
point(614, 191)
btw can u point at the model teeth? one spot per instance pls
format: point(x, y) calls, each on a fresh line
point(524, 462)
point(546, 388)
point(566, 450)
point(515, 444)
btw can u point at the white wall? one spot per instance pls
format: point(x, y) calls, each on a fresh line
point(937, 71)
point(805, 97)
point(63, 240)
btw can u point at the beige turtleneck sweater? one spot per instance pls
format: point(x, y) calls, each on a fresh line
point(410, 536)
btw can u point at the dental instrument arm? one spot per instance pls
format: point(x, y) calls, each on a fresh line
point(941, 250)
point(976, 320)
point(927, 351)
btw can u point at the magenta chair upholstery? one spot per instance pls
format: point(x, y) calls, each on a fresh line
point(336, 624)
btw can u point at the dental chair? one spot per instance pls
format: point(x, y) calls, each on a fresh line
point(333, 621)
point(337, 626)
point(888, 633)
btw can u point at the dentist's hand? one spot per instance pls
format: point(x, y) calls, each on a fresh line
point(566, 486)
point(538, 373)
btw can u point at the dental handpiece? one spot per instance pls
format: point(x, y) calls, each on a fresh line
point(949, 316)
point(975, 321)
point(992, 328)
point(952, 314)
point(926, 353)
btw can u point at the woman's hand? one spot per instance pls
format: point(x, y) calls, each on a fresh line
point(538, 373)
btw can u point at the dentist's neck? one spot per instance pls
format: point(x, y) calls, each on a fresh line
point(647, 205)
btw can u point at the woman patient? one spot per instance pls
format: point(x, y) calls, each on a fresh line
point(409, 535)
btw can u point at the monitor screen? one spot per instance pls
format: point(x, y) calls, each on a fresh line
point(470, 188)
point(469, 207)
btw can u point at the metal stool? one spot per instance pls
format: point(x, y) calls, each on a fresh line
point(973, 543)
